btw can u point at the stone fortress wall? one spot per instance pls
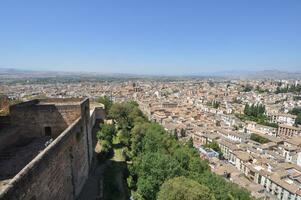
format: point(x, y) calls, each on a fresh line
point(34, 115)
point(60, 170)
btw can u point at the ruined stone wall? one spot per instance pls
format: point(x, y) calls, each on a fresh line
point(34, 117)
point(97, 114)
point(69, 113)
point(58, 172)
point(61, 169)
point(8, 136)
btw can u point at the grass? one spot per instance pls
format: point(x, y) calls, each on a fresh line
point(118, 155)
point(117, 150)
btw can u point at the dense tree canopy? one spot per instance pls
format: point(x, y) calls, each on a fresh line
point(153, 169)
point(255, 110)
point(107, 132)
point(260, 90)
point(289, 88)
point(258, 138)
point(247, 88)
point(181, 188)
point(106, 135)
point(297, 98)
point(126, 114)
point(296, 111)
point(221, 189)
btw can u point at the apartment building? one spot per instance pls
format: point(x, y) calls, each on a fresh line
point(288, 131)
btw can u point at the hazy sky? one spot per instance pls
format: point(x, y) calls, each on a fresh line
point(150, 36)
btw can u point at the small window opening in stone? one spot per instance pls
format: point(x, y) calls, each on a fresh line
point(48, 131)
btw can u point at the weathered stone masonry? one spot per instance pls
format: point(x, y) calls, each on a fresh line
point(59, 171)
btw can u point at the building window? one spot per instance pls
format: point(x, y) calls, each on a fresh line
point(48, 131)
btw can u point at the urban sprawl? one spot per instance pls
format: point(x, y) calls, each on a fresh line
point(248, 130)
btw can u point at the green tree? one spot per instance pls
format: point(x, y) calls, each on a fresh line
point(120, 113)
point(214, 145)
point(182, 132)
point(247, 109)
point(106, 101)
point(137, 135)
point(136, 116)
point(124, 137)
point(190, 143)
point(247, 88)
point(295, 111)
point(107, 132)
point(215, 104)
point(106, 146)
point(298, 120)
point(258, 138)
point(175, 134)
point(126, 114)
point(255, 110)
point(289, 88)
point(181, 188)
point(153, 169)
point(221, 189)
point(297, 98)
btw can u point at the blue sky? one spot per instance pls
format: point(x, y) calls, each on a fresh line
point(150, 36)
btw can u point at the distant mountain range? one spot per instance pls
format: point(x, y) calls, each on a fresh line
point(17, 73)
point(264, 74)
